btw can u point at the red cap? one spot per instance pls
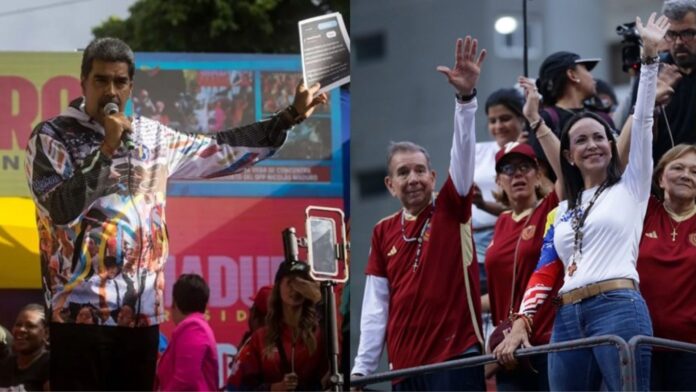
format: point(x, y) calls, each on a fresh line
point(523, 149)
point(261, 299)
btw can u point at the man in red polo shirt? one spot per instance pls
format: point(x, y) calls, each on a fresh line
point(422, 289)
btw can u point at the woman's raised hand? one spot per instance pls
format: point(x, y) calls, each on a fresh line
point(652, 33)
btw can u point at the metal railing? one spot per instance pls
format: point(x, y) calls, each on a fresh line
point(626, 362)
point(640, 340)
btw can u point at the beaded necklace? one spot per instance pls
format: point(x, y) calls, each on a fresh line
point(577, 223)
point(419, 239)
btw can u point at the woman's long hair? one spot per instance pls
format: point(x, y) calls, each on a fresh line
point(552, 89)
point(274, 322)
point(572, 178)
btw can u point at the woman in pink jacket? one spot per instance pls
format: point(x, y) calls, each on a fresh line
point(190, 361)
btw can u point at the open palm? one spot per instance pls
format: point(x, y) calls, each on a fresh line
point(653, 32)
point(467, 66)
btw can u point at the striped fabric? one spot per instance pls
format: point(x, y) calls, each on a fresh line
point(548, 270)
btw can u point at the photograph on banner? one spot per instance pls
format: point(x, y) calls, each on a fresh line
point(209, 93)
point(198, 101)
point(277, 90)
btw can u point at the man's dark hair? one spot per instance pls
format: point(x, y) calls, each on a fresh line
point(677, 9)
point(110, 50)
point(508, 97)
point(191, 293)
point(572, 177)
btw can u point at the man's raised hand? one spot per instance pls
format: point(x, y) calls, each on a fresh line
point(467, 66)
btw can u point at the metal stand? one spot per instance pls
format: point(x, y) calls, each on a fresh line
point(331, 334)
point(326, 271)
point(525, 52)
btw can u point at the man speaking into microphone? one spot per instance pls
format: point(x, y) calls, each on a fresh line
point(110, 109)
point(99, 181)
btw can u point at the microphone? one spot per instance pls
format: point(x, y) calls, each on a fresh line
point(111, 108)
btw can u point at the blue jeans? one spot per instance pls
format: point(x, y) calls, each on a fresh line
point(462, 379)
point(482, 238)
point(673, 371)
point(619, 312)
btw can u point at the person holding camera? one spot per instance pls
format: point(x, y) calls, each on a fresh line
point(675, 119)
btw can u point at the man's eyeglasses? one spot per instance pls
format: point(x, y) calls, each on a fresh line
point(510, 169)
point(685, 35)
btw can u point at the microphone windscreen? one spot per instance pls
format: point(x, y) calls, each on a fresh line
point(110, 108)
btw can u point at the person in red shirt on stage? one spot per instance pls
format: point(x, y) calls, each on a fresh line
point(667, 266)
point(257, 317)
point(517, 241)
point(422, 290)
point(257, 312)
point(289, 353)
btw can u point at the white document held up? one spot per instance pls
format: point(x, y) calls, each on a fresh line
point(325, 48)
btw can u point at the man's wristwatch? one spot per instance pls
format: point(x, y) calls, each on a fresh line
point(465, 98)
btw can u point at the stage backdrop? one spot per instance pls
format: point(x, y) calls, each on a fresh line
point(228, 230)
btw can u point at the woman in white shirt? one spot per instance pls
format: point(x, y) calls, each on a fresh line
point(597, 233)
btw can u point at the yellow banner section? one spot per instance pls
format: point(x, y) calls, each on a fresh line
point(19, 245)
point(33, 87)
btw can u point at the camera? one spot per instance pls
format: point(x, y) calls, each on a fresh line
point(630, 51)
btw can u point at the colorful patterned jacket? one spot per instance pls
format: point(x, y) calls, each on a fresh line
point(101, 221)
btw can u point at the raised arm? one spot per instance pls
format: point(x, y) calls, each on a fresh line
point(463, 77)
point(639, 168)
point(232, 150)
point(668, 77)
point(547, 139)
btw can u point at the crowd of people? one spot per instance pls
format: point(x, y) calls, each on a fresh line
point(569, 225)
point(283, 350)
